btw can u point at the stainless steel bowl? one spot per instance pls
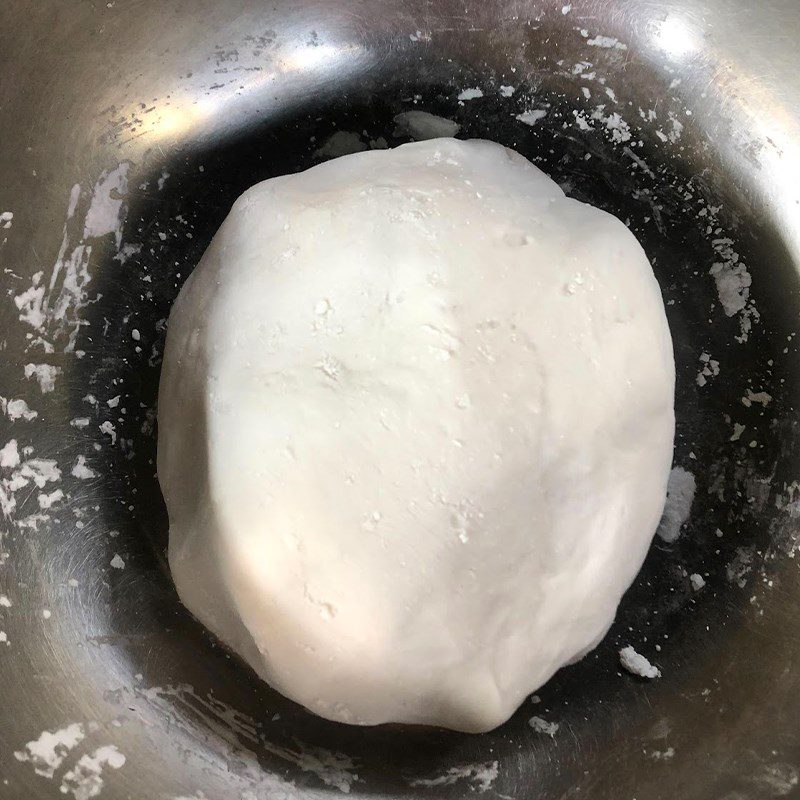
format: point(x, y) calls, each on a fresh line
point(679, 117)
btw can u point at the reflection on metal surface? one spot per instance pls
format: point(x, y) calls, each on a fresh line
point(675, 37)
point(681, 118)
point(311, 57)
point(174, 122)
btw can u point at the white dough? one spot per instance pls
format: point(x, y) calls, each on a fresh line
point(415, 428)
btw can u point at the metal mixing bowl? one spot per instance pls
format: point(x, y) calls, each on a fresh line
point(679, 117)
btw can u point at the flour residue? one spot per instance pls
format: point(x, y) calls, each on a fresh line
point(470, 94)
point(733, 282)
point(541, 725)
point(53, 303)
point(9, 454)
point(44, 374)
point(608, 42)
point(48, 752)
point(81, 471)
point(333, 769)
point(85, 779)
point(697, 581)
point(47, 501)
point(21, 472)
point(480, 776)
point(336, 770)
point(663, 755)
point(637, 664)
point(618, 129)
point(681, 487)
point(761, 398)
point(709, 368)
point(532, 117)
point(740, 566)
point(17, 409)
point(104, 214)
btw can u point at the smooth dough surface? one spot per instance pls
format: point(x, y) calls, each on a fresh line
point(415, 427)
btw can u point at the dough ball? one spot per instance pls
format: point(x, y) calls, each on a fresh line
point(415, 428)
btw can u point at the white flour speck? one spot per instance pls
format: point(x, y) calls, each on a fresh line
point(81, 471)
point(49, 500)
point(663, 755)
point(470, 94)
point(507, 91)
point(697, 581)
point(117, 562)
point(709, 369)
point(108, 428)
point(637, 664)
point(607, 42)
point(9, 455)
point(531, 117)
point(45, 374)
point(738, 430)
point(763, 398)
point(543, 726)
